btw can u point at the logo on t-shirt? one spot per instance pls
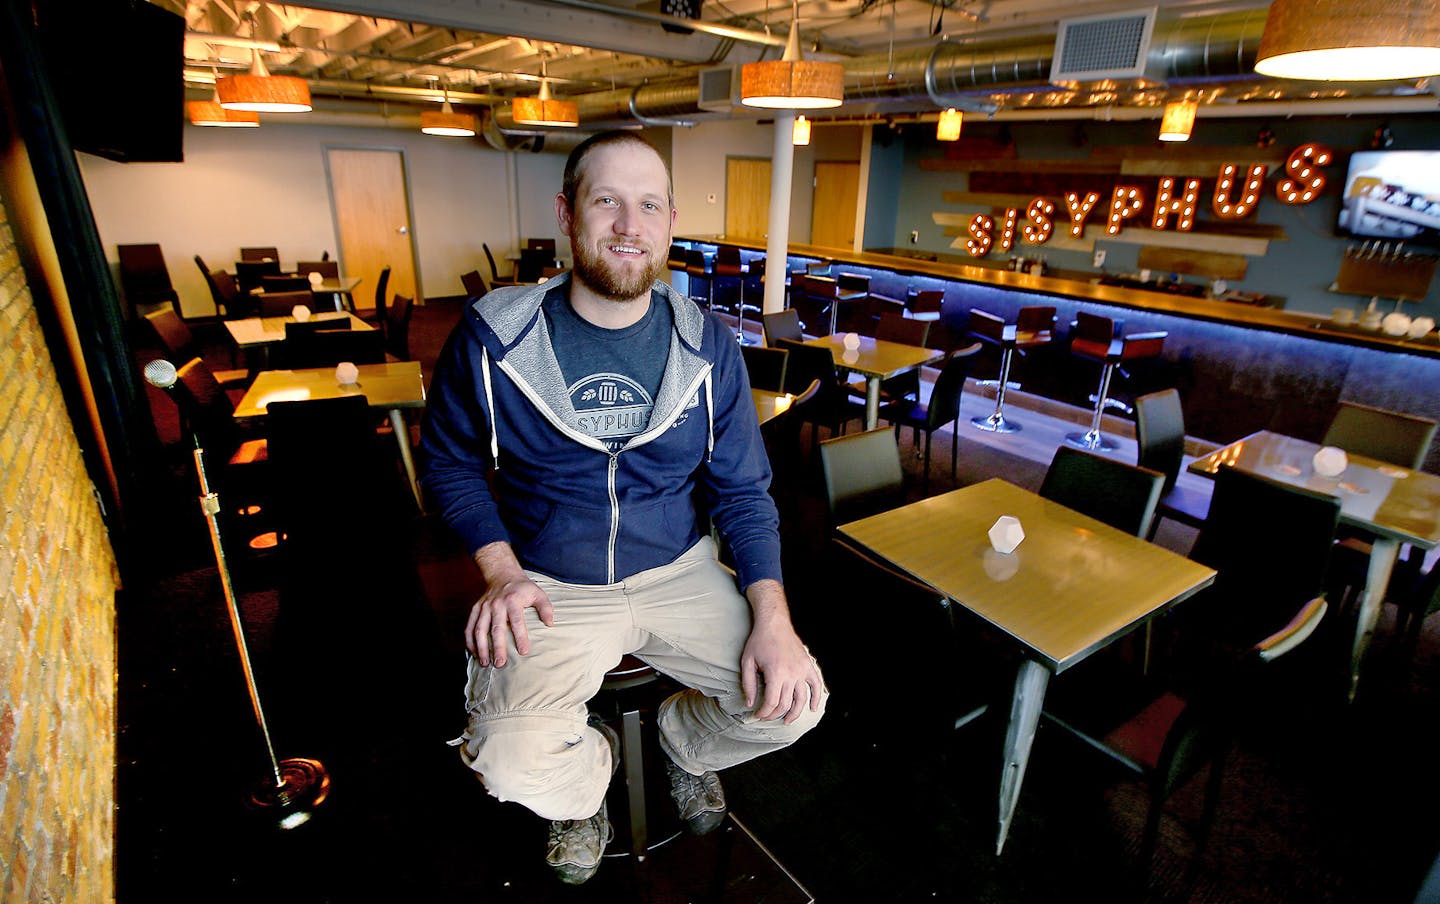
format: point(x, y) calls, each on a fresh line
point(610, 407)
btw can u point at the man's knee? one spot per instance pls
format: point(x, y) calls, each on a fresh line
point(552, 772)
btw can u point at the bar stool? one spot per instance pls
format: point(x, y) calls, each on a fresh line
point(729, 264)
point(1100, 339)
point(1034, 326)
point(631, 673)
point(698, 263)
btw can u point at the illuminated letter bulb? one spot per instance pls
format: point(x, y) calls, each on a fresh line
point(981, 228)
point(1079, 210)
point(1039, 213)
point(1124, 204)
point(1223, 206)
point(1166, 203)
point(1303, 181)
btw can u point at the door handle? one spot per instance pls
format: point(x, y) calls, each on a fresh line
point(403, 230)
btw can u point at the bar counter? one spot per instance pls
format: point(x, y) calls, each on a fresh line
point(1239, 368)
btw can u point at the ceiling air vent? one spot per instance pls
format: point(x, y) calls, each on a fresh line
point(719, 89)
point(1102, 47)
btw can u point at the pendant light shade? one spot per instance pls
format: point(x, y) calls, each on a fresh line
point(447, 122)
point(545, 110)
point(1345, 40)
point(1178, 120)
point(260, 92)
point(792, 83)
point(210, 113)
point(948, 128)
point(800, 132)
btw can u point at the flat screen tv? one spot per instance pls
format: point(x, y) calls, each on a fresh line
point(1392, 196)
point(147, 43)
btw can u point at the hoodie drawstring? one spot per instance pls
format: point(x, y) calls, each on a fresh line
point(490, 407)
point(709, 421)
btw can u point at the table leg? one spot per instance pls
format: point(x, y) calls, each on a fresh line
point(872, 402)
point(1025, 706)
point(402, 439)
point(1383, 553)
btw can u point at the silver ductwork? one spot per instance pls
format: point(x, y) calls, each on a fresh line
point(953, 74)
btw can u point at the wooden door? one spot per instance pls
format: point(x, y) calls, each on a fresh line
point(372, 216)
point(747, 197)
point(832, 218)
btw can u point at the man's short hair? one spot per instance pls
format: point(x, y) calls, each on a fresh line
point(574, 166)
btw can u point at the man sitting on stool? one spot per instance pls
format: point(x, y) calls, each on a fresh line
point(567, 427)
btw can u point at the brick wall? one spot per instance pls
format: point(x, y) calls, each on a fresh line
point(57, 630)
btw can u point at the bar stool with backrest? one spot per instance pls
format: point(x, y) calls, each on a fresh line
point(730, 265)
point(1102, 340)
point(698, 264)
point(1034, 326)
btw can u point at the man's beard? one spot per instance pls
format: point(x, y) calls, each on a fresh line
point(608, 281)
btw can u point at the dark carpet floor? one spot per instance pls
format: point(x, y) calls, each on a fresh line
point(359, 662)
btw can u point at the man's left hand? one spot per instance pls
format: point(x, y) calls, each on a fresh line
point(774, 650)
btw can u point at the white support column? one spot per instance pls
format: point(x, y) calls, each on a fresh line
point(777, 244)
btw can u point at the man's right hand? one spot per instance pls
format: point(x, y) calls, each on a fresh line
point(501, 608)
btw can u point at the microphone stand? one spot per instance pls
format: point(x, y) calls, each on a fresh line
point(297, 784)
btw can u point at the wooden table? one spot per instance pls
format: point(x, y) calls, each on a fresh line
point(1073, 586)
point(876, 360)
point(770, 404)
point(1394, 505)
point(388, 387)
point(260, 333)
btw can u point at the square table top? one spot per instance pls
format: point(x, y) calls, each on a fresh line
point(876, 357)
point(1070, 588)
point(249, 332)
point(1382, 498)
point(770, 404)
point(394, 385)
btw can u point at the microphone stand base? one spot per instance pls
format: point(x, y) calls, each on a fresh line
point(304, 786)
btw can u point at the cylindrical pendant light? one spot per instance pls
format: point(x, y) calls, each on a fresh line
point(1346, 40)
point(446, 121)
point(792, 83)
point(260, 92)
point(1178, 120)
point(800, 132)
point(210, 113)
point(545, 110)
point(948, 128)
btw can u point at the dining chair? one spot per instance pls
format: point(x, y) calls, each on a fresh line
point(1160, 442)
point(831, 407)
point(336, 487)
point(282, 304)
point(495, 278)
point(1178, 733)
point(210, 414)
point(862, 474)
point(765, 366)
point(926, 303)
point(942, 408)
point(532, 264)
point(309, 327)
point(144, 278)
point(327, 348)
point(1120, 495)
point(180, 344)
point(327, 268)
point(284, 283)
point(249, 275)
point(781, 434)
point(813, 297)
point(474, 285)
point(781, 325)
point(376, 317)
point(547, 245)
point(1388, 436)
point(260, 254)
point(397, 327)
point(1416, 603)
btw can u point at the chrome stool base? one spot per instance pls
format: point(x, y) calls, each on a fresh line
point(1093, 440)
point(995, 423)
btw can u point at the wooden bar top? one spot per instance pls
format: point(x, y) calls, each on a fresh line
point(1297, 323)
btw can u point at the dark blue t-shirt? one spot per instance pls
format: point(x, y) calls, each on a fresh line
point(613, 375)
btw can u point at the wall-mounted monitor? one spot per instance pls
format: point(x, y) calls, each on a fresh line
point(1393, 196)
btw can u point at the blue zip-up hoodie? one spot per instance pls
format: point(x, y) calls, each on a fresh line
point(501, 457)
